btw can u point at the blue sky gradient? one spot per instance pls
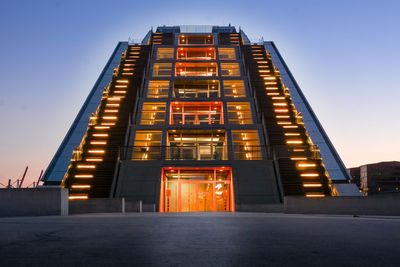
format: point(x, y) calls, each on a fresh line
point(344, 55)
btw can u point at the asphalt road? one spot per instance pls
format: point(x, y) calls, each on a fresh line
point(200, 239)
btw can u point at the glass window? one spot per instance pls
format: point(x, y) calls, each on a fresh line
point(147, 145)
point(196, 39)
point(196, 69)
point(230, 69)
point(234, 88)
point(158, 89)
point(227, 53)
point(196, 53)
point(196, 89)
point(246, 145)
point(165, 53)
point(196, 145)
point(239, 113)
point(196, 113)
point(162, 69)
point(153, 113)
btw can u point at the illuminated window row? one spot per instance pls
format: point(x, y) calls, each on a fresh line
point(189, 69)
point(206, 53)
point(195, 113)
point(196, 89)
point(196, 145)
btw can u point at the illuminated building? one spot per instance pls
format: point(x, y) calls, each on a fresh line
point(197, 119)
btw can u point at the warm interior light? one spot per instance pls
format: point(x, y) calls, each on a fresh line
point(112, 105)
point(292, 134)
point(280, 110)
point(110, 110)
point(290, 126)
point(280, 104)
point(121, 86)
point(122, 81)
point(270, 78)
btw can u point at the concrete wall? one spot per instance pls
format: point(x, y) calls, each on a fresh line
point(255, 185)
point(254, 182)
point(388, 205)
point(95, 205)
point(33, 202)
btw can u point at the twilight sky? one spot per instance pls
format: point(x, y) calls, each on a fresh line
point(344, 55)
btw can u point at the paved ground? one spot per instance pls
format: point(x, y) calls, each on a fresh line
point(200, 239)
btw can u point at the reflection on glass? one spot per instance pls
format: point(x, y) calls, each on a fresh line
point(153, 113)
point(246, 145)
point(158, 89)
point(230, 69)
point(234, 88)
point(147, 145)
point(239, 113)
point(162, 69)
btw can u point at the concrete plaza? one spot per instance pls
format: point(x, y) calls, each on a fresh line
point(200, 239)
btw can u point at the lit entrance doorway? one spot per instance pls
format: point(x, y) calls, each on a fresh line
point(196, 189)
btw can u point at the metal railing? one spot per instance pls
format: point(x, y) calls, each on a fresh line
point(199, 152)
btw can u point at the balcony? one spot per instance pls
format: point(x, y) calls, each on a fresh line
point(196, 53)
point(199, 152)
point(196, 69)
point(196, 153)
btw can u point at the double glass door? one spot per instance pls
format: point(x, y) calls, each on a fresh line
point(197, 190)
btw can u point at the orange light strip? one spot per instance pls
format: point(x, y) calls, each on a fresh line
point(306, 165)
point(98, 142)
point(94, 159)
point(313, 174)
point(312, 185)
point(293, 142)
point(86, 166)
point(78, 197)
point(96, 151)
point(81, 186)
point(79, 176)
point(100, 135)
point(314, 195)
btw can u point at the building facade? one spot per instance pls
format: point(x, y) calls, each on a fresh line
point(377, 178)
point(198, 119)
